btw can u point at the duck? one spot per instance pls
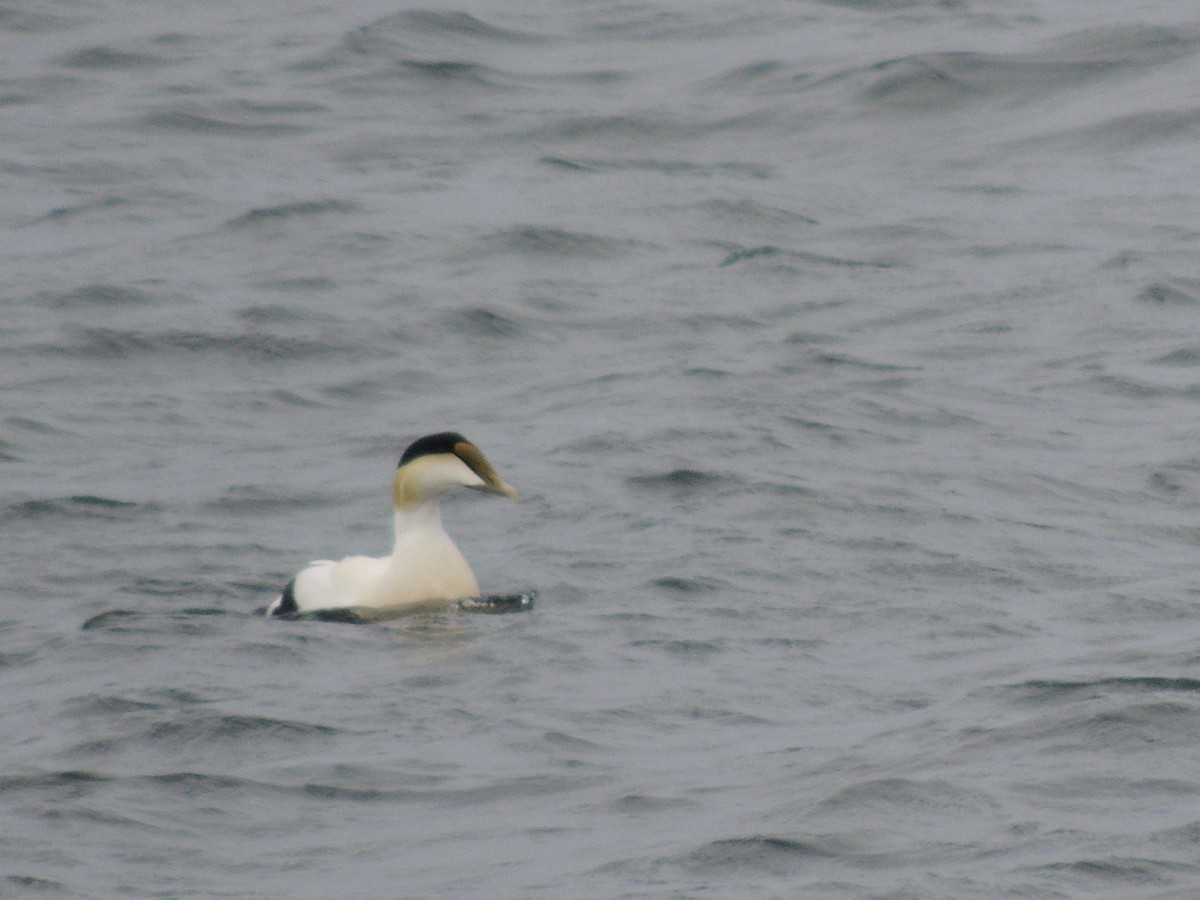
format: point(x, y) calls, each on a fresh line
point(425, 568)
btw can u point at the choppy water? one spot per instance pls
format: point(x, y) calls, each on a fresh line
point(847, 357)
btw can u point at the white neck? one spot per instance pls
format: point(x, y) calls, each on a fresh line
point(419, 518)
point(425, 564)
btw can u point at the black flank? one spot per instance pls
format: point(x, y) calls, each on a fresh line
point(287, 602)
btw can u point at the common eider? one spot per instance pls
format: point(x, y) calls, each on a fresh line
point(425, 567)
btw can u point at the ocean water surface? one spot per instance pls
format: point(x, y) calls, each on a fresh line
point(846, 356)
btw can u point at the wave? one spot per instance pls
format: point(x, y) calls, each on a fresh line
point(1050, 689)
point(943, 80)
point(548, 242)
point(236, 122)
point(769, 851)
point(425, 30)
point(436, 47)
point(106, 57)
point(268, 215)
point(797, 259)
point(680, 167)
point(101, 344)
point(682, 482)
point(77, 506)
point(91, 296)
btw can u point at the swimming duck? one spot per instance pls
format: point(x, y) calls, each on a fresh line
point(425, 567)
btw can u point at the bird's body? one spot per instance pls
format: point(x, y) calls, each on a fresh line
point(425, 566)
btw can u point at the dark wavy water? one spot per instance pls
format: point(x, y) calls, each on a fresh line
point(846, 354)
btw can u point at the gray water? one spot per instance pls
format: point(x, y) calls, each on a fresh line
point(846, 356)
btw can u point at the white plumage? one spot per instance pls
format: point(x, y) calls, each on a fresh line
point(424, 566)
